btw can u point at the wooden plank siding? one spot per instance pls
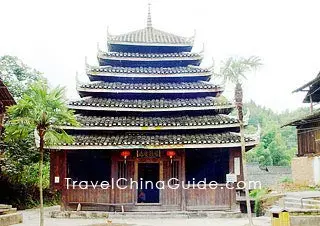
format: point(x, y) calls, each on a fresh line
point(307, 139)
point(220, 198)
point(209, 199)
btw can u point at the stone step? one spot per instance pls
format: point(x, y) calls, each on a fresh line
point(7, 211)
point(4, 206)
point(298, 205)
point(146, 215)
point(10, 219)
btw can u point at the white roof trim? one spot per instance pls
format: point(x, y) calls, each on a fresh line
point(115, 74)
point(128, 128)
point(102, 56)
point(150, 109)
point(173, 146)
point(149, 90)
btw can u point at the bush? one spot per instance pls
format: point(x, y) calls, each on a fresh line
point(19, 185)
point(23, 196)
point(287, 180)
point(258, 195)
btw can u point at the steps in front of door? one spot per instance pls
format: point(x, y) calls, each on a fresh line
point(145, 215)
point(9, 215)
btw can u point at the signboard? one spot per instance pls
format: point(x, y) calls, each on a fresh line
point(237, 166)
point(148, 153)
point(231, 178)
point(56, 180)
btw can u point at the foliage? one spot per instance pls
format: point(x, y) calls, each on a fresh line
point(286, 180)
point(234, 68)
point(277, 145)
point(17, 76)
point(258, 195)
point(19, 153)
point(23, 196)
point(40, 108)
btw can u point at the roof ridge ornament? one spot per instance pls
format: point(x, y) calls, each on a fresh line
point(78, 82)
point(108, 33)
point(98, 48)
point(87, 66)
point(149, 20)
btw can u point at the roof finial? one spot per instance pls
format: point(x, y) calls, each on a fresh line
point(149, 21)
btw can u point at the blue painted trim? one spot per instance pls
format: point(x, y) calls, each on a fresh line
point(147, 49)
point(158, 63)
point(163, 79)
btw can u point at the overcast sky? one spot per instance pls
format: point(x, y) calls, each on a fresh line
point(55, 36)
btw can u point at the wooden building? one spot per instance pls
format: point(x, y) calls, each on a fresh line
point(150, 113)
point(6, 100)
point(306, 167)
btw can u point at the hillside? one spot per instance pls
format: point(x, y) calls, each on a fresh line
point(278, 145)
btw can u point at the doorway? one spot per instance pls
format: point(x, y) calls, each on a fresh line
point(147, 191)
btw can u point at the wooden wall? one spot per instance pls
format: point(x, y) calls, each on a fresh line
point(307, 139)
point(170, 199)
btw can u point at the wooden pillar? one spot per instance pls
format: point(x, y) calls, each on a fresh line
point(161, 196)
point(63, 175)
point(183, 178)
point(234, 153)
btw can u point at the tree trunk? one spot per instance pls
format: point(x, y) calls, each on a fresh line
point(239, 104)
point(40, 179)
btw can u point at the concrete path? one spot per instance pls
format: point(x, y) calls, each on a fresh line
point(31, 218)
point(304, 194)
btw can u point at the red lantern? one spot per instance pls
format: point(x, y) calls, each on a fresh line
point(171, 154)
point(125, 154)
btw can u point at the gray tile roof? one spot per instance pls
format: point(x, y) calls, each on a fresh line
point(155, 140)
point(150, 35)
point(149, 55)
point(150, 86)
point(150, 104)
point(149, 70)
point(136, 121)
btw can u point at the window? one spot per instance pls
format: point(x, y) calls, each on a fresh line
point(209, 164)
point(89, 165)
point(174, 172)
point(122, 172)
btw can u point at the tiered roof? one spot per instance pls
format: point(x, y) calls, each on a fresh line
point(158, 141)
point(149, 56)
point(103, 104)
point(113, 116)
point(149, 71)
point(154, 123)
point(140, 87)
point(150, 36)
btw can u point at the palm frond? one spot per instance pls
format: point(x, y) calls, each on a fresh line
point(40, 108)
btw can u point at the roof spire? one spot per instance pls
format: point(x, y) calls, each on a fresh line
point(149, 21)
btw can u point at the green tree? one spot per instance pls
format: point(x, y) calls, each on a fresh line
point(16, 75)
point(41, 110)
point(233, 70)
point(284, 147)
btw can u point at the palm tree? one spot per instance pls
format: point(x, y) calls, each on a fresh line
point(41, 110)
point(233, 70)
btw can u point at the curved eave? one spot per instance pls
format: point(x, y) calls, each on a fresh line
point(103, 57)
point(125, 75)
point(125, 109)
point(250, 144)
point(149, 90)
point(149, 128)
